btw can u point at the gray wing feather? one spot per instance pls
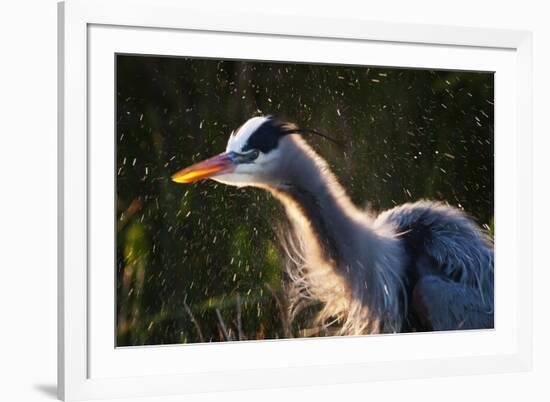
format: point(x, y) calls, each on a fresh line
point(453, 262)
point(442, 305)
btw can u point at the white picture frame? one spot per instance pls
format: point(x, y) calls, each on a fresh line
point(92, 32)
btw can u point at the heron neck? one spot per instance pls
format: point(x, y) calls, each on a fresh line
point(314, 200)
point(343, 249)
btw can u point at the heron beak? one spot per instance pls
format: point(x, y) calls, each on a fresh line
point(219, 164)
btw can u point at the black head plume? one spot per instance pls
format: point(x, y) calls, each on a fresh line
point(311, 131)
point(266, 137)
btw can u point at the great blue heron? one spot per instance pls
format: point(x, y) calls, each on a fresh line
point(417, 267)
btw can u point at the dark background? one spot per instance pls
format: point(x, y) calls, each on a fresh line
point(200, 262)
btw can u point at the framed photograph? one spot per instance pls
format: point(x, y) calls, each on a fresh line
point(240, 200)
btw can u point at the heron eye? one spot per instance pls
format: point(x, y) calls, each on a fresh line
point(247, 156)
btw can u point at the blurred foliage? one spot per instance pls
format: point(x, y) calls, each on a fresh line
point(200, 262)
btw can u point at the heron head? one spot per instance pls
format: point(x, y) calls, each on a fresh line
point(253, 156)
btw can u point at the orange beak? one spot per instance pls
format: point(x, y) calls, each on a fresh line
point(219, 164)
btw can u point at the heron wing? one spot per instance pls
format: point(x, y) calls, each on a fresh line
point(441, 304)
point(451, 275)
